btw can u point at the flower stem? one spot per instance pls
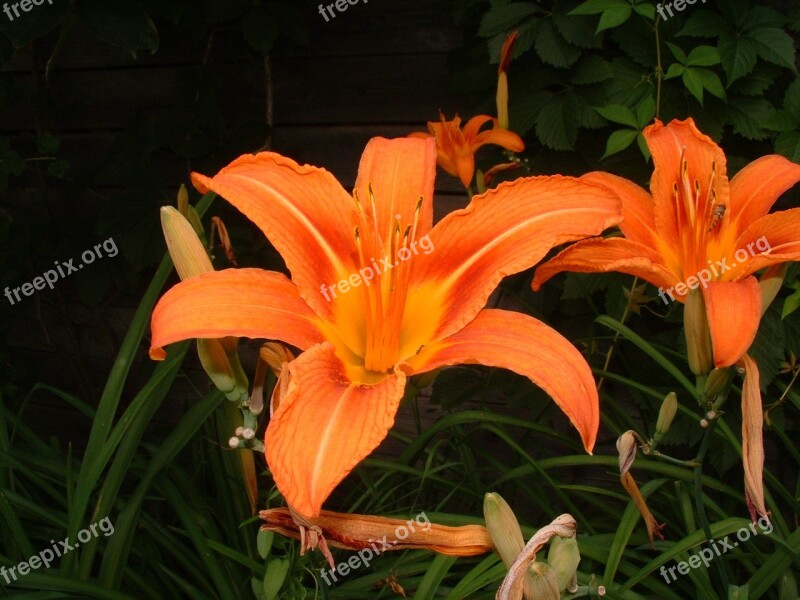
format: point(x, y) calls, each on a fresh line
point(698, 498)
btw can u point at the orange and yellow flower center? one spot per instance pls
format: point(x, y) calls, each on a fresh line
point(384, 299)
point(700, 218)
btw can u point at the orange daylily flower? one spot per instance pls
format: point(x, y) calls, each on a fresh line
point(456, 148)
point(694, 223)
point(418, 314)
point(697, 222)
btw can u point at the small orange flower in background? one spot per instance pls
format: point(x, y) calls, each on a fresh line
point(696, 229)
point(415, 315)
point(456, 147)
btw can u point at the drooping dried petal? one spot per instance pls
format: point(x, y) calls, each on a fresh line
point(355, 532)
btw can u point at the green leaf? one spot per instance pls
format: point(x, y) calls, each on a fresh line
point(556, 124)
point(774, 45)
point(677, 52)
point(791, 101)
point(788, 145)
point(122, 23)
point(748, 116)
point(675, 70)
point(738, 55)
point(614, 17)
point(792, 303)
point(503, 18)
point(781, 120)
point(592, 69)
point(645, 9)
point(642, 143)
point(694, 83)
point(703, 56)
point(702, 23)
point(711, 82)
point(645, 111)
point(577, 31)
point(57, 168)
point(260, 29)
point(47, 144)
point(264, 542)
point(754, 84)
point(277, 570)
point(595, 7)
point(553, 49)
point(616, 113)
point(619, 140)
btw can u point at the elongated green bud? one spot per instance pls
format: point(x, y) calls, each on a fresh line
point(698, 336)
point(544, 582)
point(564, 557)
point(503, 528)
point(665, 416)
point(218, 365)
point(185, 248)
point(717, 381)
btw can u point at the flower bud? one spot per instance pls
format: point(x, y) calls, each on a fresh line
point(185, 248)
point(717, 381)
point(698, 336)
point(544, 582)
point(502, 79)
point(217, 364)
point(564, 557)
point(503, 528)
point(770, 283)
point(665, 416)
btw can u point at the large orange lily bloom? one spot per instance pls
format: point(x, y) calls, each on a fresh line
point(456, 148)
point(363, 334)
point(697, 224)
point(698, 229)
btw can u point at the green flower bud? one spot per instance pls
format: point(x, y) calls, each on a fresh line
point(544, 582)
point(564, 557)
point(667, 413)
point(698, 336)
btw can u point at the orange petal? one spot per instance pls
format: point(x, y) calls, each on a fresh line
point(638, 216)
point(514, 341)
point(771, 240)
point(504, 231)
point(734, 311)
point(667, 144)
point(304, 212)
point(605, 255)
point(400, 171)
point(465, 168)
point(473, 126)
point(238, 302)
point(752, 441)
point(356, 532)
point(500, 137)
point(758, 186)
point(325, 425)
